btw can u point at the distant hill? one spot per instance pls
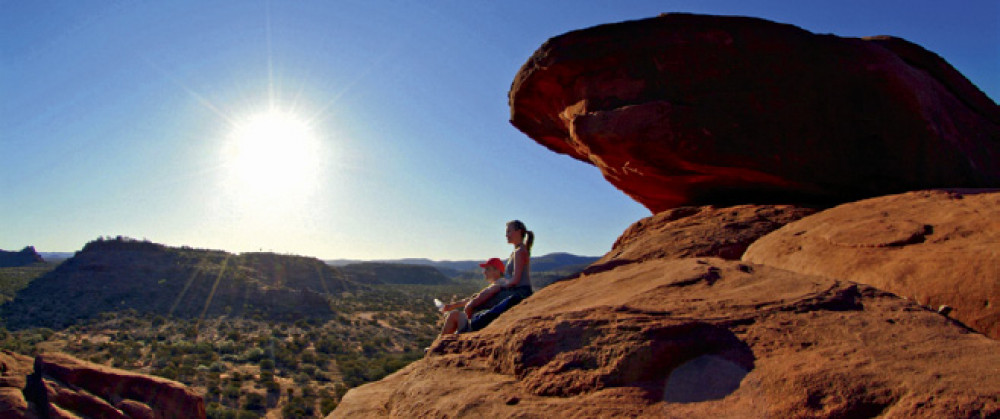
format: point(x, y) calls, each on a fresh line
point(394, 273)
point(25, 257)
point(549, 263)
point(56, 257)
point(121, 274)
point(443, 265)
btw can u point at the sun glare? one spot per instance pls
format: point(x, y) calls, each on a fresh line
point(272, 153)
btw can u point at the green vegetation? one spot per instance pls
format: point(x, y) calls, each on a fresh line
point(14, 279)
point(245, 367)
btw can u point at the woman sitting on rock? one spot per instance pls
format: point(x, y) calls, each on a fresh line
point(502, 293)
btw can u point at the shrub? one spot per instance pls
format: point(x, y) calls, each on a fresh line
point(254, 401)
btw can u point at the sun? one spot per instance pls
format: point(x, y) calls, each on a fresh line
point(272, 153)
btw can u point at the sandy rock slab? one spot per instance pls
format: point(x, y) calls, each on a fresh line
point(699, 337)
point(56, 385)
point(723, 232)
point(935, 247)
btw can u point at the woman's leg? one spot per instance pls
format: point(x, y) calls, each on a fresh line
point(454, 322)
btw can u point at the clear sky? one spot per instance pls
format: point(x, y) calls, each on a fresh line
point(153, 119)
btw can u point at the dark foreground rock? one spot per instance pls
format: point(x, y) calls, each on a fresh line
point(934, 247)
point(57, 385)
point(692, 110)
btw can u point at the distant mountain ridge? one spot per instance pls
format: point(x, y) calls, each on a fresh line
point(394, 273)
point(122, 274)
point(56, 256)
point(559, 261)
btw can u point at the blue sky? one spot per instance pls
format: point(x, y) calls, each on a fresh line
point(123, 118)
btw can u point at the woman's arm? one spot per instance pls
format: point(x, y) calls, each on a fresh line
point(520, 262)
point(456, 304)
point(481, 298)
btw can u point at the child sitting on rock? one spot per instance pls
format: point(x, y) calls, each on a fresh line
point(482, 308)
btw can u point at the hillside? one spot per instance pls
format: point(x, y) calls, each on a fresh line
point(256, 334)
point(122, 274)
point(391, 273)
point(14, 279)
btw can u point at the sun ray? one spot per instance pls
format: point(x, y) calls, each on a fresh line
point(211, 294)
point(180, 296)
point(322, 283)
point(198, 97)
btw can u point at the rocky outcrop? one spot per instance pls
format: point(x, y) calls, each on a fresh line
point(690, 110)
point(59, 386)
point(697, 231)
point(677, 320)
point(26, 256)
point(934, 247)
point(14, 370)
point(670, 336)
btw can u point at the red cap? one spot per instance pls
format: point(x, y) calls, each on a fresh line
point(494, 262)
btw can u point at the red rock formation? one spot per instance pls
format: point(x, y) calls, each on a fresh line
point(684, 109)
point(61, 386)
point(698, 337)
point(936, 247)
point(697, 231)
point(693, 109)
point(14, 368)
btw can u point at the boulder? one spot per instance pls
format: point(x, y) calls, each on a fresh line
point(690, 110)
point(934, 247)
point(14, 368)
point(60, 386)
point(697, 231)
point(698, 337)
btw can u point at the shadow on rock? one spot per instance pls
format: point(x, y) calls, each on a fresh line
point(707, 377)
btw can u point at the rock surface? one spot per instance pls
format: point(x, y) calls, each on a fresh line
point(14, 369)
point(691, 110)
point(60, 386)
point(697, 231)
point(935, 247)
point(663, 336)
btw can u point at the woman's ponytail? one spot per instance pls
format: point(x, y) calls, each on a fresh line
point(527, 235)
